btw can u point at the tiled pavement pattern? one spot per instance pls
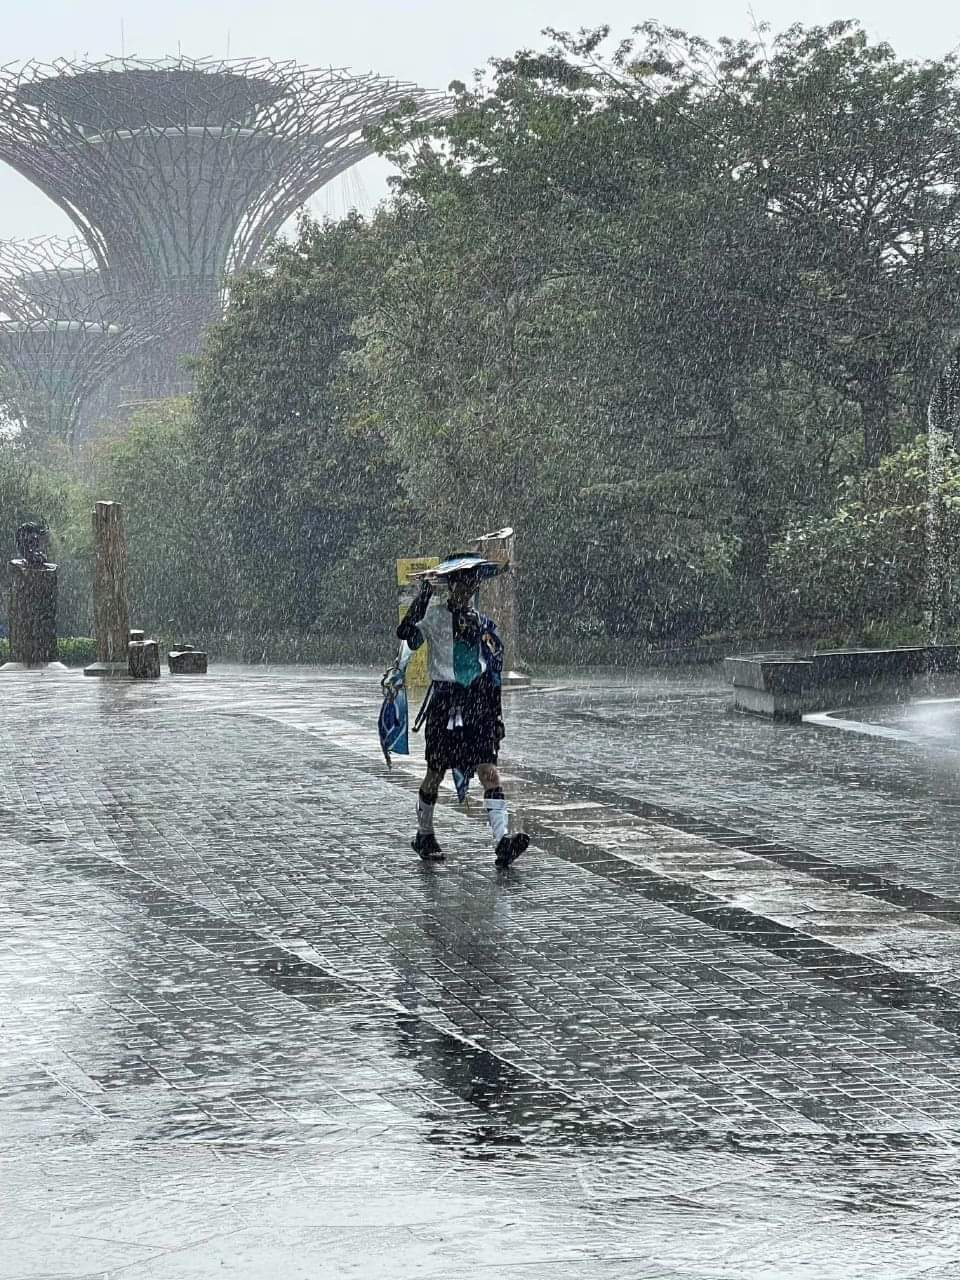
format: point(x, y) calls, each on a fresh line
point(244, 1033)
point(671, 740)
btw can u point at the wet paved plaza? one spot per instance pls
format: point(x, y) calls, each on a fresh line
point(707, 1026)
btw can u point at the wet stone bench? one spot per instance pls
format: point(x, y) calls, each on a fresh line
point(786, 686)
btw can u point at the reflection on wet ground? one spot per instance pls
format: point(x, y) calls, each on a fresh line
point(931, 723)
point(707, 1027)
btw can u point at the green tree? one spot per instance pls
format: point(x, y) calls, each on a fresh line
point(174, 566)
point(854, 154)
point(650, 296)
point(869, 562)
point(290, 490)
point(579, 334)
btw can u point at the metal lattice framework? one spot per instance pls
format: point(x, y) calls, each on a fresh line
point(51, 277)
point(62, 332)
point(178, 170)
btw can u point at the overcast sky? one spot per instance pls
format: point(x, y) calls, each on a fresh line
point(429, 41)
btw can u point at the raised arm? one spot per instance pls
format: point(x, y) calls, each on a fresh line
point(409, 628)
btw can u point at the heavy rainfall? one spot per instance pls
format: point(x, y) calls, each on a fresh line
point(480, 657)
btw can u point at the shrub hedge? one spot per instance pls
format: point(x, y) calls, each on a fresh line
point(73, 651)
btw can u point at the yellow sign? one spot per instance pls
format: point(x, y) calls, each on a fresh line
point(407, 589)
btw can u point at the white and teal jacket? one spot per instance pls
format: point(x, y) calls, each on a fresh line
point(461, 645)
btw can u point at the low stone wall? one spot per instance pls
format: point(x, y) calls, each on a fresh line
point(786, 686)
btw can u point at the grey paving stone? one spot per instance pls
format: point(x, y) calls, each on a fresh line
point(226, 982)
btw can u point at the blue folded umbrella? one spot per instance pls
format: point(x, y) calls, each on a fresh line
point(461, 781)
point(394, 725)
point(394, 720)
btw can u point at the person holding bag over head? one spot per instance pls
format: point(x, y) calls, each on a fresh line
point(462, 711)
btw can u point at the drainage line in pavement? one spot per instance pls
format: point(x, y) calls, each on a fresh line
point(903, 991)
point(508, 1099)
point(501, 1092)
point(860, 881)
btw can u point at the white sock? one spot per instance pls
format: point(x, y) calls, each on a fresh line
point(498, 815)
point(425, 816)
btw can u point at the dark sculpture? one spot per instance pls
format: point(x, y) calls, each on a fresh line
point(33, 600)
point(33, 542)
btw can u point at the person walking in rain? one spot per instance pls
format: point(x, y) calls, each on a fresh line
point(462, 710)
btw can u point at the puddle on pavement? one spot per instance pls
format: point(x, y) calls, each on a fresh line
point(304, 981)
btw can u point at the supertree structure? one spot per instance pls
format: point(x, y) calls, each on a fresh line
point(177, 171)
point(61, 333)
point(50, 277)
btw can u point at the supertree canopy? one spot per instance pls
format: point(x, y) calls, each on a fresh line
point(177, 171)
point(51, 277)
point(61, 334)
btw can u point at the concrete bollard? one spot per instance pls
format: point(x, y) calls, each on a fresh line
point(143, 657)
point(185, 660)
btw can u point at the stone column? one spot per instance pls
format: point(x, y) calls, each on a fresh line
point(499, 600)
point(109, 591)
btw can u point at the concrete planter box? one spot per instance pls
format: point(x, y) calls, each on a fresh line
point(864, 665)
point(786, 686)
point(770, 684)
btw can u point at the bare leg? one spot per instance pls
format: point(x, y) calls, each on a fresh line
point(431, 784)
point(489, 776)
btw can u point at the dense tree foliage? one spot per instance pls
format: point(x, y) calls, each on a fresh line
point(868, 560)
point(675, 328)
point(853, 155)
point(293, 495)
point(175, 569)
point(675, 310)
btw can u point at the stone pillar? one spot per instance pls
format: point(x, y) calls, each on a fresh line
point(109, 591)
point(499, 600)
point(33, 616)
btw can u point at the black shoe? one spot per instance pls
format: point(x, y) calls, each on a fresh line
point(509, 848)
point(425, 843)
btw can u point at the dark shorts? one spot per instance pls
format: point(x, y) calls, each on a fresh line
point(478, 741)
